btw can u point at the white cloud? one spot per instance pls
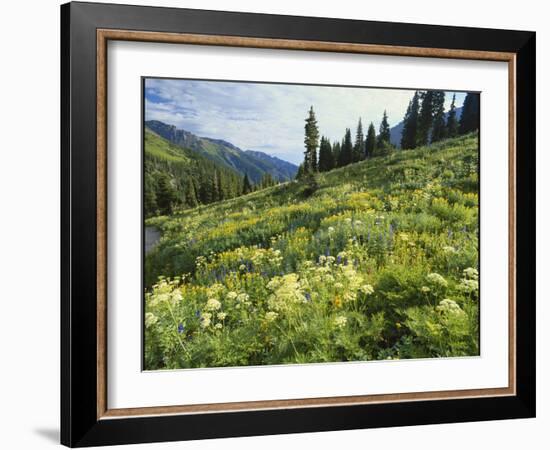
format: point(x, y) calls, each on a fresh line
point(270, 117)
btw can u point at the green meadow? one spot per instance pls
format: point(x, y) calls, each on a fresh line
point(372, 261)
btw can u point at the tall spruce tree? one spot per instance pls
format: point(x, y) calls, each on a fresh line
point(410, 123)
point(166, 194)
point(247, 187)
point(439, 127)
point(336, 147)
point(452, 122)
point(359, 146)
point(469, 120)
point(346, 152)
point(311, 141)
point(370, 142)
point(326, 162)
point(190, 194)
point(384, 133)
point(425, 118)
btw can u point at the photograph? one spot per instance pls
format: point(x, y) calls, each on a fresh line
point(295, 224)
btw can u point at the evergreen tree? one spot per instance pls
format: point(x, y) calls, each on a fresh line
point(452, 122)
point(359, 146)
point(267, 181)
point(439, 127)
point(166, 194)
point(214, 187)
point(370, 143)
point(425, 118)
point(346, 151)
point(311, 142)
point(336, 147)
point(247, 187)
point(149, 195)
point(326, 162)
point(469, 120)
point(300, 172)
point(384, 132)
point(410, 124)
point(190, 194)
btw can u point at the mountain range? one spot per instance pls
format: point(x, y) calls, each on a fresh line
point(255, 164)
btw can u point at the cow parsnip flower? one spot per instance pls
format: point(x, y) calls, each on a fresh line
point(367, 289)
point(448, 306)
point(340, 321)
point(471, 273)
point(213, 304)
point(150, 319)
point(437, 279)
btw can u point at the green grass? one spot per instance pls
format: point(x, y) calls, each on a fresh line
point(160, 148)
point(379, 262)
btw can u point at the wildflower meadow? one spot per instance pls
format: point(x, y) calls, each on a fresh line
point(377, 260)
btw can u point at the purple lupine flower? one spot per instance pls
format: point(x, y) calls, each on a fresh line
point(307, 296)
point(197, 313)
point(181, 328)
point(338, 259)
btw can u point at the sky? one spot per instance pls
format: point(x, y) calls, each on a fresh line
point(270, 117)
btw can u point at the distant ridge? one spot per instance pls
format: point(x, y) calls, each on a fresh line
point(255, 164)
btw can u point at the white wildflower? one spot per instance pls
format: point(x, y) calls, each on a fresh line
point(213, 304)
point(150, 319)
point(437, 279)
point(340, 321)
point(366, 289)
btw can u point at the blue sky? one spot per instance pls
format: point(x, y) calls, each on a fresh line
point(270, 117)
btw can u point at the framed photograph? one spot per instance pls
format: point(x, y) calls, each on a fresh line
point(277, 224)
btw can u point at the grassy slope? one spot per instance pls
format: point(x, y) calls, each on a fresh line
point(402, 232)
point(401, 172)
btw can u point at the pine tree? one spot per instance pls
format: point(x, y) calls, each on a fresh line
point(370, 143)
point(439, 128)
point(214, 187)
point(247, 187)
point(425, 118)
point(300, 171)
point(346, 152)
point(452, 122)
point(359, 146)
point(384, 133)
point(326, 162)
point(410, 124)
point(166, 194)
point(149, 195)
point(311, 141)
point(190, 194)
point(469, 120)
point(336, 147)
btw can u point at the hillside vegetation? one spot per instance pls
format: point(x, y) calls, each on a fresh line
point(377, 261)
point(226, 155)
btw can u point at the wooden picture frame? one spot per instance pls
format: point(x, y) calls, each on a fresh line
point(86, 418)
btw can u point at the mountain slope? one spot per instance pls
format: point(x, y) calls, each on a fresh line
point(177, 176)
point(279, 169)
point(254, 164)
point(380, 261)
